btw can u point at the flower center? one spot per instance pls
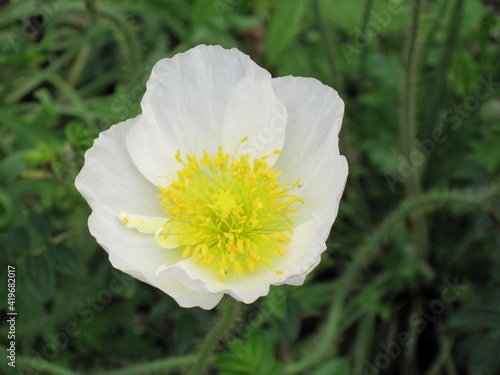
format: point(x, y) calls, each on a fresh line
point(228, 214)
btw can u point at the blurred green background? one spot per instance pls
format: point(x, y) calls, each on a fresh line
point(410, 283)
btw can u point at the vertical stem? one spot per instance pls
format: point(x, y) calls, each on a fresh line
point(364, 51)
point(337, 81)
point(335, 77)
point(229, 313)
point(364, 342)
point(410, 352)
point(446, 346)
point(408, 126)
point(438, 91)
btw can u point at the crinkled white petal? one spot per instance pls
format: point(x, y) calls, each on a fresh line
point(311, 151)
point(109, 177)
point(140, 256)
point(111, 183)
point(202, 99)
point(303, 255)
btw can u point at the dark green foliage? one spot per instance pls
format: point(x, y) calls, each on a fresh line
point(376, 303)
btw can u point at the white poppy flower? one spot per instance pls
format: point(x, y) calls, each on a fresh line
point(228, 182)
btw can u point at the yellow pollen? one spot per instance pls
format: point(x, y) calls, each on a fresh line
point(229, 214)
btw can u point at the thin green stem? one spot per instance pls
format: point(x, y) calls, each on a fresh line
point(126, 39)
point(229, 313)
point(364, 342)
point(44, 366)
point(328, 44)
point(410, 352)
point(336, 80)
point(446, 345)
point(67, 91)
point(436, 94)
point(166, 366)
point(408, 127)
point(364, 51)
point(330, 332)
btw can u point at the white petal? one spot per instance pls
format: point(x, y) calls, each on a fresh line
point(110, 182)
point(140, 256)
point(304, 253)
point(110, 178)
point(185, 296)
point(202, 99)
point(311, 151)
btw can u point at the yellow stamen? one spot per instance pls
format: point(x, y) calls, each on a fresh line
point(229, 214)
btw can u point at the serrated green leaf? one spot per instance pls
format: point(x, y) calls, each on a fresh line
point(230, 363)
point(255, 355)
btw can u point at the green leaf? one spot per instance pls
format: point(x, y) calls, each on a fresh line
point(6, 210)
point(472, 319)
point(11, 167)
point(202, 12)
point(25, 131)
point(311, 298)
point(284, 27)
point(253, 356)
point(65, 260)
point(347, 15)
point(40, 278)
point(290, 326)
point(275, 302)
point(344, 14)
point(337, 366)
point(484, 359)
point(475, 11)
